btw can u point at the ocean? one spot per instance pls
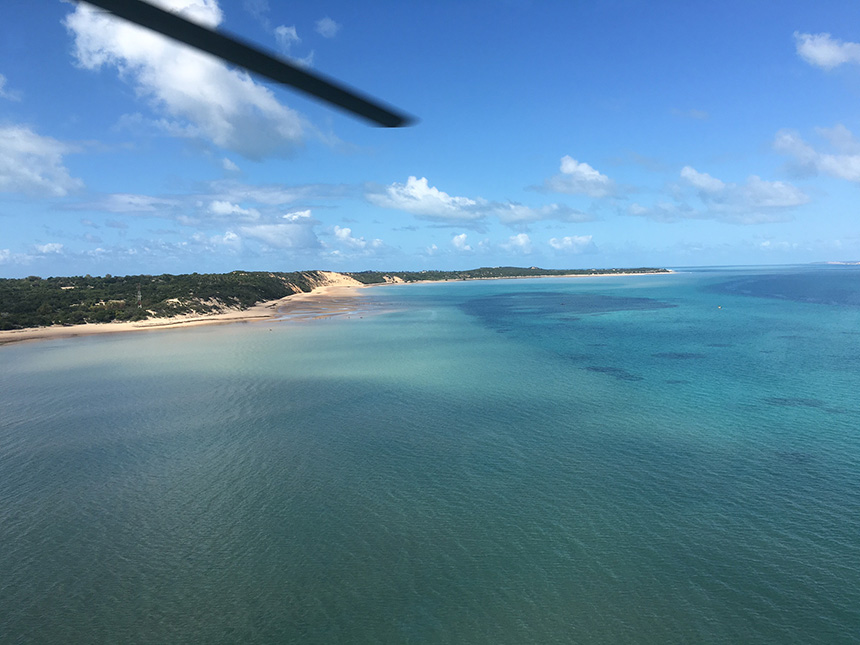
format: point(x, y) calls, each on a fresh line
point(626, 459)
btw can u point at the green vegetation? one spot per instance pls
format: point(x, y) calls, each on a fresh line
point(38, 302)
point(376, 277)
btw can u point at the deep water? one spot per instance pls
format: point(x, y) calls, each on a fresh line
point(645, 459)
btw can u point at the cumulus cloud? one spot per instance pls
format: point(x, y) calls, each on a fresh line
point(229, 166)
point(199, 95)
point(294, 231)
point(416, 196)
point(298, 216)
point(327, 28)
point(756, 193)
point(421, 199)
point(702, 180)
point(518, 243)
point(6, 93)
point(578, 178)
point(8, 257)
point(459, 242)
point(756, 201)
point(575, 244)
point(228, 241)
point(225, 208)
point(845, 164)
point(51, 247)
point(822, 50)
point(33, 164)
point(344, 236)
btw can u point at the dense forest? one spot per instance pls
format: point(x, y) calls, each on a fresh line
point(38, 302)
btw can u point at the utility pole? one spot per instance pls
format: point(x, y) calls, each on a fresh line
point(138, 297)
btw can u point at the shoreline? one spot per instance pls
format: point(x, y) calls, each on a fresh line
point(321, 301)
point(271, 310)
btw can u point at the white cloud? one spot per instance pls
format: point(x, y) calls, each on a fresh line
point(345, 236)
point(808, 160)
point(756, 193)
point(512, 213)
point(327, 28)
point(757, 201)
point(51, 247)
point(274, 194)
point(7, 257)
point(229, 166)
point(759, 193)
point(229, 241)
point(305, 61)
point(519, 243)
point(225, 208)
point(259, 10)
point(459, 242)
point(131, 203)
point(702, 180)
point(33, 164)
point(286, 37)
point(840, 138)
point(289, 235)
point(6, 93)
point(204, 98)
point(416, 196)
point(822, 50)
point(298, 216)
point(574, 244)
point(579, 178)
point(771, 245)
point(663, 211)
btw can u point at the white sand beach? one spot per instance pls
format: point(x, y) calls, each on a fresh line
point(327, 299)
point(323, 298)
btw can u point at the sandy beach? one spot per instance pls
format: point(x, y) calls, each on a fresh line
point(334, 298)
point(329, 299)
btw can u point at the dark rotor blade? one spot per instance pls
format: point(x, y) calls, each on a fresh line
point(253, 59)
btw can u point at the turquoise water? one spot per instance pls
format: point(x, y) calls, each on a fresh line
point(649, 459)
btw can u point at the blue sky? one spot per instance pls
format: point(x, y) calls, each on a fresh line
point(555, 134)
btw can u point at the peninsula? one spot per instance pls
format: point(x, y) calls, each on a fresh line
point(31, 306)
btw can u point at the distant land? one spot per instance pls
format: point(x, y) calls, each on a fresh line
point(41, 302)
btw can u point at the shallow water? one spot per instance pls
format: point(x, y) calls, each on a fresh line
point(647, 459)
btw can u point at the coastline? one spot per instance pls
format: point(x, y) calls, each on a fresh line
point(321, 302)
point(319, 297)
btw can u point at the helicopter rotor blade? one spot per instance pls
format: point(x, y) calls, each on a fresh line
point(254, 60)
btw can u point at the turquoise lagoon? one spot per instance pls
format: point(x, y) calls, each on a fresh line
point(644, 459)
